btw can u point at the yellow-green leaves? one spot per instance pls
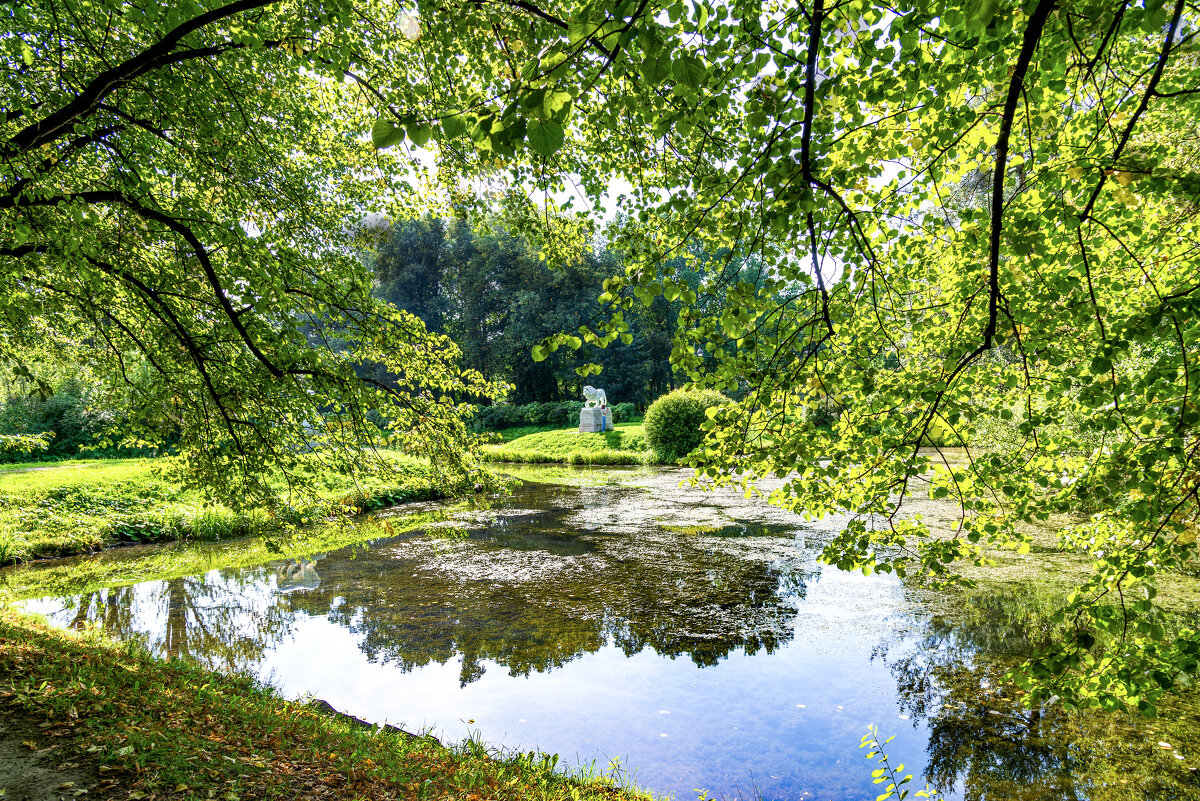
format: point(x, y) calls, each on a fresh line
point(385, 134)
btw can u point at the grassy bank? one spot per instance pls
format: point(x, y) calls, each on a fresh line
point(168, 729)
point(625, 444)
point(78, 507)
point(120, 567)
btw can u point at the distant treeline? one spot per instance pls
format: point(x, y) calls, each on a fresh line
point(491, 294)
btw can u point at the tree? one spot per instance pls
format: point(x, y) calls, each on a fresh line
point(489, 291)
point(831, 141)
point(838, 143)
point(180, 187)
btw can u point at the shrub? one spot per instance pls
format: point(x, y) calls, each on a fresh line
point(673, 422)
point(499, 417)
point(72, 421)
point(623, 412)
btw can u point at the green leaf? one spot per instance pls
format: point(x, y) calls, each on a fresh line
point(553, 102)
point(419, 133)
point(981, 14)
point(545, 137)
point(690, 71)
point(385, 134)
point(656, 69)
point(454, 126)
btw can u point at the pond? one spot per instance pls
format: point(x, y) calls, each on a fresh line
point(683, 641)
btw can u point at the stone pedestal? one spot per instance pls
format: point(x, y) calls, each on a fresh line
point(594, 419)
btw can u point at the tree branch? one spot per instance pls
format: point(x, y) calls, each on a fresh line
point(157, 55)
point(1033, 34)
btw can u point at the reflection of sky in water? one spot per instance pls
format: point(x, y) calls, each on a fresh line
point(787, 723)
point(773, 722)
point(697, 643)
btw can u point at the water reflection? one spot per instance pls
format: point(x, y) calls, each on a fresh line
point(517, 585)
point(203, 618)
point(982, 741)
point(298, 574)
point(694, 637)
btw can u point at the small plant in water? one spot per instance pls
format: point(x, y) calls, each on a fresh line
point(886, 773)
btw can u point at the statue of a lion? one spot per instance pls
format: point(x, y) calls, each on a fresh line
point(594, 397)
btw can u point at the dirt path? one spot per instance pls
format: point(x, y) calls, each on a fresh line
point(38, 763)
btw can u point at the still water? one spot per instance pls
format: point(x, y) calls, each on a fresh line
point(684, 641)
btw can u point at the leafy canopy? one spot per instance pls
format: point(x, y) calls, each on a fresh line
point(980, 225)
point(976, 218)
point(181, 186)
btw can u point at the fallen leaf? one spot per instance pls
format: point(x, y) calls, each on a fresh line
point(181, 788)
point(30, 744)
point(136, 795)
point(66, 785)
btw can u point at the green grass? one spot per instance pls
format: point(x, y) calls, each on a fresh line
point(171, 729)
point(84, 506)
point(505, 435)
point(120, 567)
point(626, 444)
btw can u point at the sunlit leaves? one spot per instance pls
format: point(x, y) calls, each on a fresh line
point(545, 137)
point(384, 134)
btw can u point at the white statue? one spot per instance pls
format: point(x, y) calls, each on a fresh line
point(594, 397)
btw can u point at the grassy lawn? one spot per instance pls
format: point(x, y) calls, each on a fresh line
point(74, 507)
point(147, 728)
point(120, 567)
point(625, 444)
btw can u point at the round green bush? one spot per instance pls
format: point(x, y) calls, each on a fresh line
point(672, 423)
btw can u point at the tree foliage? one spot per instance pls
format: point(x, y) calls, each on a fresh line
point(179, 189)
point(969, 211)
point(964, 211)
point(489, 291)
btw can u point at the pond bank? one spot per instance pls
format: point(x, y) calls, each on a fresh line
point(632, 614)
point(624, 445)
point(81, 508)
point(123, 724)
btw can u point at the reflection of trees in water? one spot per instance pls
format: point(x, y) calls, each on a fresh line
point(676, 594)
point(525, 590)
point(982, 739)
point(210, 619)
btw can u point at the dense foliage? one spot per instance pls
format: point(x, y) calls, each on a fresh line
point(561, 414)
point(178, 185)
point(492, 294)
point(66, 416)
point(959, 213)
point(676, 423)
